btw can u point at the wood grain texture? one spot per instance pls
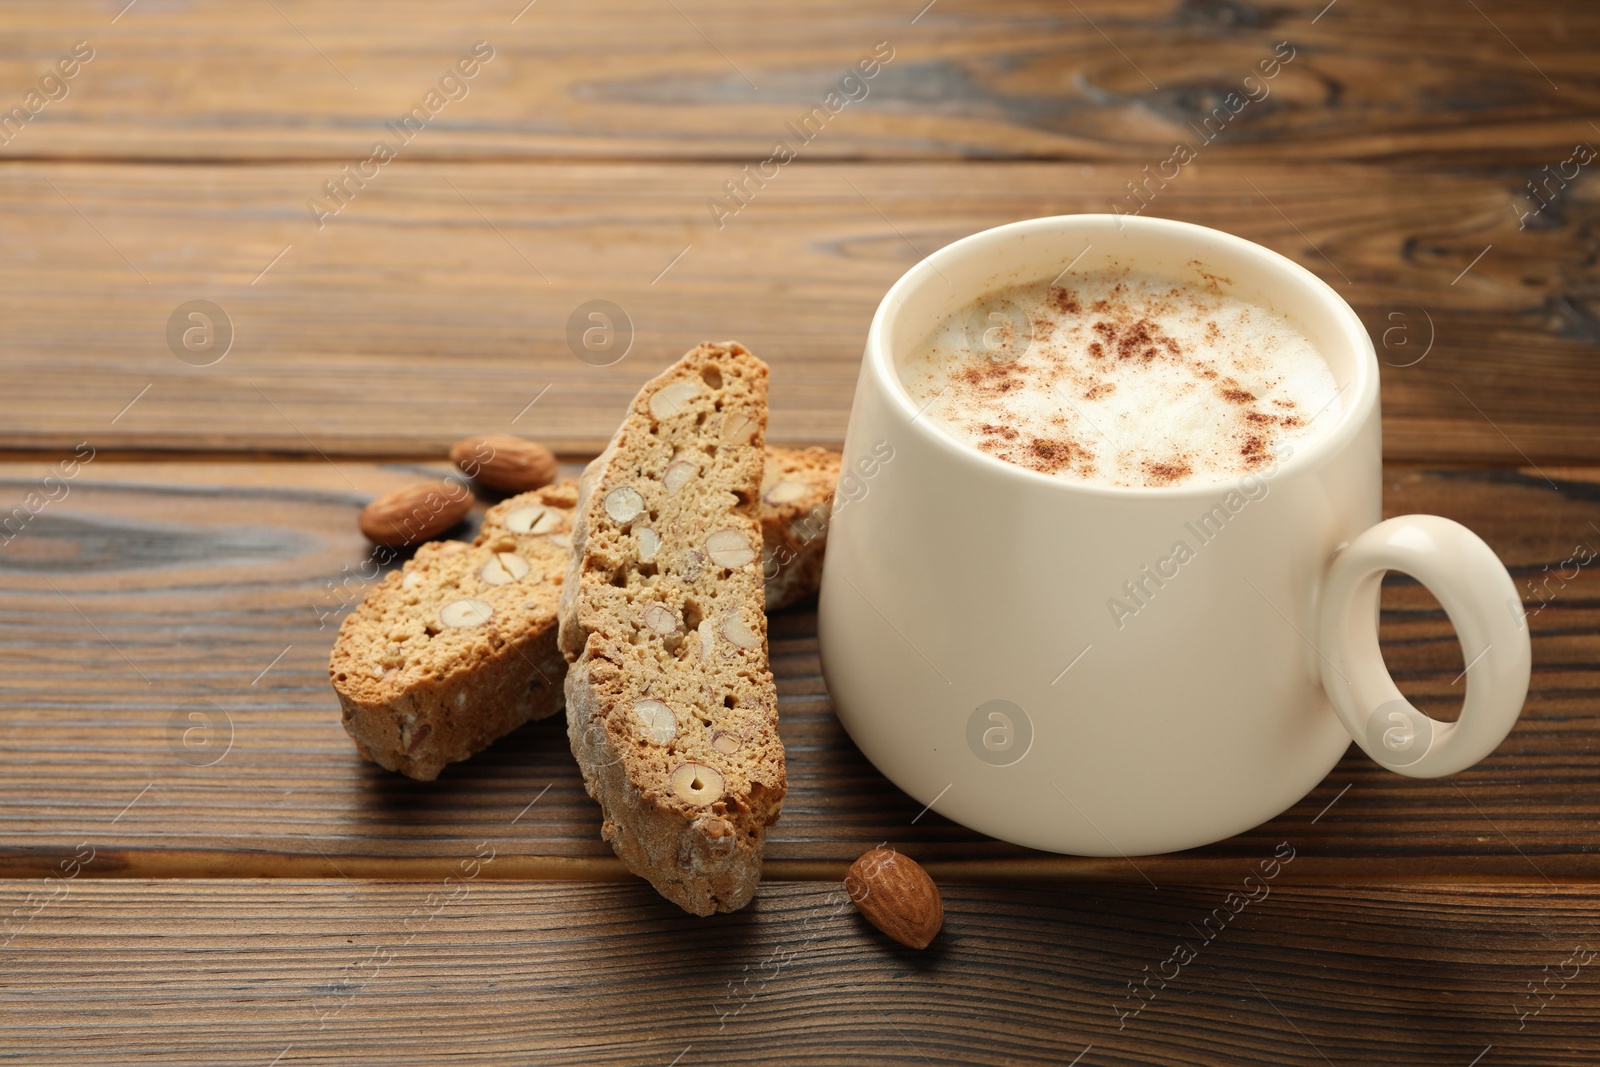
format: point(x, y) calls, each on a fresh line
point(641, 80)
point(480, 972)
point(165, 617)
point(437, 305)
point(154, 593)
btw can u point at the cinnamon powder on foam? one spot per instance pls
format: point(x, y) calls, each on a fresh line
point(1121, 378)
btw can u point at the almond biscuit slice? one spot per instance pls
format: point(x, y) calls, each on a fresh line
point(459, 647)
point(796, 502)
point(671, 707)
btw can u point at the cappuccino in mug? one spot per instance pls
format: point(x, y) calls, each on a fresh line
point(1064, 397)
point(1123, 378)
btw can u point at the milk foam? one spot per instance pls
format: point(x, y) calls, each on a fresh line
point(1122, 378)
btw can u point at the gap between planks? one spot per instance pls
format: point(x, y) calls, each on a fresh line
point(1174, 871)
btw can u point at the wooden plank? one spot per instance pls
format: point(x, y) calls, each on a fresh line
point(438, 304)
point(641, 80)
point(151, 593)
point(480, 972)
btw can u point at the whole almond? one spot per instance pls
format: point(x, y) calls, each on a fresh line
point(415, 514)
point(503, 462)
point(897, 896)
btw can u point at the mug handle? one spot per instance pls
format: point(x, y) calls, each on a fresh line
point(1482, 603)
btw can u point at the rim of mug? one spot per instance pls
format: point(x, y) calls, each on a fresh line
point(1351, 416)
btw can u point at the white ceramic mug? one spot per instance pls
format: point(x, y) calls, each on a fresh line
point(967, 632)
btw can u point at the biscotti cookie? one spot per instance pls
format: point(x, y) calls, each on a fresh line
point(796, 500)
point(459, 647)
point(671, 709)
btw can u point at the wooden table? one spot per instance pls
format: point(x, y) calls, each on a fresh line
point(197, 867)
